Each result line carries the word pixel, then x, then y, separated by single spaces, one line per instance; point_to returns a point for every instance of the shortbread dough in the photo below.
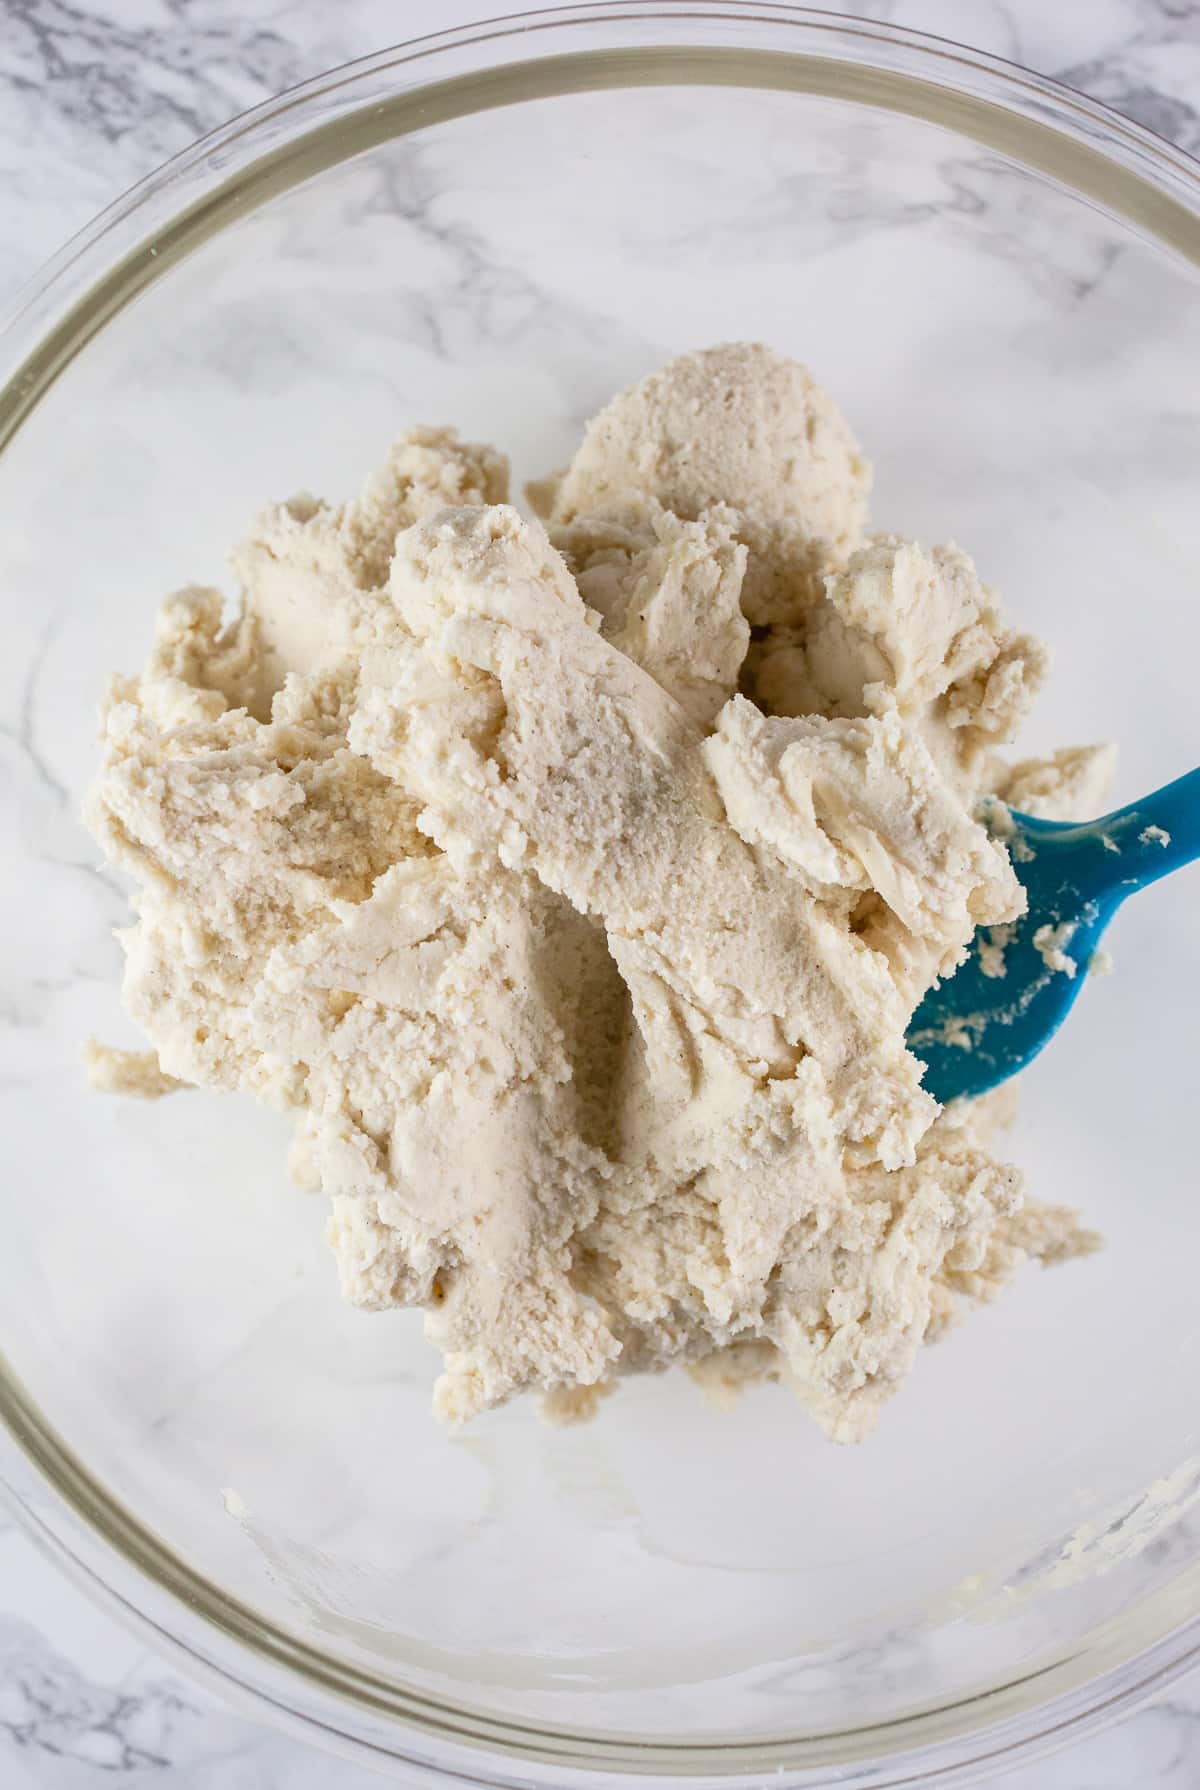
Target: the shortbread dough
pixel 577 928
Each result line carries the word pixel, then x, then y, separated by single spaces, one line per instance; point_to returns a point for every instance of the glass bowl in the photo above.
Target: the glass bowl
pixel 498 227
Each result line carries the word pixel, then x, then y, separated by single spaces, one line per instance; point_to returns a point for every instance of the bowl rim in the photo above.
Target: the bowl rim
pixel 1127 170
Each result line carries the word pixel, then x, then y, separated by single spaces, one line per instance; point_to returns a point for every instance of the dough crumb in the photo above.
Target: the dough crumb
pixel 991 948
pixel 1050 943
pixel 111 1070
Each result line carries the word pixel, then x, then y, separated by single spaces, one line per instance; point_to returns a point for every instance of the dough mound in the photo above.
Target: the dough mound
pixel 914 631
pixel 584 977
pixel 740 425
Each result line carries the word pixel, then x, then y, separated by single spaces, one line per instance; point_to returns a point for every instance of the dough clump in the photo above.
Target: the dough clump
pixel 578 932
pixel 740 425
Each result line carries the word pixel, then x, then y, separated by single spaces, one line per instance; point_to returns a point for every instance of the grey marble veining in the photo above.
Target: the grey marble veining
pixel 92 96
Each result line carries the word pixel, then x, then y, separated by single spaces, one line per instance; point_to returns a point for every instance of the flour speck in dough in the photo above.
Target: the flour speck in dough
pixel 571 884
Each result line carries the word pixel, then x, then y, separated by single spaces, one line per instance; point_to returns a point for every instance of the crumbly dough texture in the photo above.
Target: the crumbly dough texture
pixel 579 934
pixel 743 426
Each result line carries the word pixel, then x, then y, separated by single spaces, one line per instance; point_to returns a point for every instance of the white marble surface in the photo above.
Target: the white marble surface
pixel 92 95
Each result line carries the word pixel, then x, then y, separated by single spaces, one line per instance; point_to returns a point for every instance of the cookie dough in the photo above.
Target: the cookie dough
pixel 741 425
pixel 578 932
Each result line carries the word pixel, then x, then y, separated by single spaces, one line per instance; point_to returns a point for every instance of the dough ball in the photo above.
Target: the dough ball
pixel 742 425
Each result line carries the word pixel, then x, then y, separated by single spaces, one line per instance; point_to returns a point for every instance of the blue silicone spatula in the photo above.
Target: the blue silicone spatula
pixel 994 1014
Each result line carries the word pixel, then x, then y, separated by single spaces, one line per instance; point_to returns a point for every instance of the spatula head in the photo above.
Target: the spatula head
pixel 1019 982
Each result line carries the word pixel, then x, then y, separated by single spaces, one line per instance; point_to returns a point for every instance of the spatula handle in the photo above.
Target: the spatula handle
pixel 1156 834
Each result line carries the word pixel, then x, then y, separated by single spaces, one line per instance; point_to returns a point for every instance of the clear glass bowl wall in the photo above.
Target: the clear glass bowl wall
pixel 498 232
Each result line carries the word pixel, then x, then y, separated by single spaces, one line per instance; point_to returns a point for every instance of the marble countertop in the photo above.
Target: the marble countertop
pixel 93 94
